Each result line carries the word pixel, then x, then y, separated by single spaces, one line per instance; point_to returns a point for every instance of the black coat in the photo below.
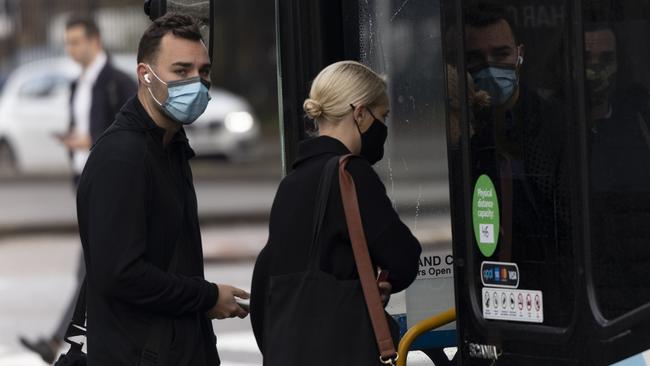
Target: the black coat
pixel 110 91
pixel 135 203
pixel 391 244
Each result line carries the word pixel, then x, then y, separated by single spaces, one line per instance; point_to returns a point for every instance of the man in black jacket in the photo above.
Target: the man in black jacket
pixel 138 217
pixel 95 98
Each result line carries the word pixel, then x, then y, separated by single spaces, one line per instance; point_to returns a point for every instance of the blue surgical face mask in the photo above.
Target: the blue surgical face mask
pixel 186 99
pixel 498 80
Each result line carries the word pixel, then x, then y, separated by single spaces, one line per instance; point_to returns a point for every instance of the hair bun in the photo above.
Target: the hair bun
pixel 313 108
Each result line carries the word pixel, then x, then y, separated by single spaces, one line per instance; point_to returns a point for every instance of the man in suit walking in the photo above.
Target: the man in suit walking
pixel 95 98
pixel 97 95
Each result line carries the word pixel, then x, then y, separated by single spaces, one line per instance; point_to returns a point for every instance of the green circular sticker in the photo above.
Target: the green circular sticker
pixel 485 215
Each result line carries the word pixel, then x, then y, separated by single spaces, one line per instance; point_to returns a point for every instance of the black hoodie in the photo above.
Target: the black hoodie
pixel 135 203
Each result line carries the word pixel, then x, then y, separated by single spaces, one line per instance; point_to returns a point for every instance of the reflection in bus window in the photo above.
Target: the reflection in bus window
pixel 402 40
pixel 616 89
pixel 517 142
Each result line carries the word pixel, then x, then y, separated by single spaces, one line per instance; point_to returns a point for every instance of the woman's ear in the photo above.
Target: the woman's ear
pixel 356 113
pixel 359 115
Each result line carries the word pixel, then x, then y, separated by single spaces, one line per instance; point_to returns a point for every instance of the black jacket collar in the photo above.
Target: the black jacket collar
pixel 134 117
pixel 321 145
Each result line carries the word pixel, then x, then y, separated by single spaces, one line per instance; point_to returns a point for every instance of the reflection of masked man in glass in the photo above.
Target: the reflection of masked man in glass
pixel 601 67
pixel 515 142
pixel 495 73
pixel 617 111
pixel 494 58
pixel 619 145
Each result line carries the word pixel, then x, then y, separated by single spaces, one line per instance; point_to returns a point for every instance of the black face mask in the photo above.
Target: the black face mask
pixel 372 141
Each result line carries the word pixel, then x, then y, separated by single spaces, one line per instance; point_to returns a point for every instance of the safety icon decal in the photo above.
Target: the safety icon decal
pixel 513 305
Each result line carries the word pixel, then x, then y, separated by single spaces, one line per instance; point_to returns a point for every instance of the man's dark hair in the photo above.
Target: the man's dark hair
pixel 180 25
pixel 88 23
pixel 484 14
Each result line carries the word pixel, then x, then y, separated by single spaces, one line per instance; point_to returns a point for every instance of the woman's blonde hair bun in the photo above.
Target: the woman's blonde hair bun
pixel 340 85
pixel 313 108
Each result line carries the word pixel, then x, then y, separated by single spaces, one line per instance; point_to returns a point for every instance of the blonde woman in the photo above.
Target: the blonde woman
pixel 349 104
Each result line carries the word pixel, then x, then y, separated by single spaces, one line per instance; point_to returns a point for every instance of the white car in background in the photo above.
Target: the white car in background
pixel 34 106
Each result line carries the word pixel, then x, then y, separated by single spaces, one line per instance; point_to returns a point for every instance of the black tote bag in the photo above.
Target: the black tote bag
pixel 314 319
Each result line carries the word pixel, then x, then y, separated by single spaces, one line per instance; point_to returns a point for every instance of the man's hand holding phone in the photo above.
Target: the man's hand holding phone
pixel 74 141
pixel 227 305
pixel 244 304
pixel 60 136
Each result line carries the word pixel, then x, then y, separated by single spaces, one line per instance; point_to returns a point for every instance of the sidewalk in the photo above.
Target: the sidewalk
pixel 37 279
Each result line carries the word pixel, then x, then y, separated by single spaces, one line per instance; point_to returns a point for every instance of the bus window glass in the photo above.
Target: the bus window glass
pixel 617 78
pixel 516 58
pixel 402 40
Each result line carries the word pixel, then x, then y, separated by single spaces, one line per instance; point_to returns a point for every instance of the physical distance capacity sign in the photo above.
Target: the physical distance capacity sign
pixel 485 215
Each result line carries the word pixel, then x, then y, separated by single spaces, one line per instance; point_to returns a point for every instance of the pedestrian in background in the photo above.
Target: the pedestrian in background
pixel 349 104
pixel 147 296
pixel 95 98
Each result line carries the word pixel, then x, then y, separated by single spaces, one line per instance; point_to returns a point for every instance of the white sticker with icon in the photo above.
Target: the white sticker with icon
pixel 487 233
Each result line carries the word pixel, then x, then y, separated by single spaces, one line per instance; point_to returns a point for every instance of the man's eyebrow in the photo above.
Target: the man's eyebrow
pixel 206 66
pixel 182 64
pixel 502 48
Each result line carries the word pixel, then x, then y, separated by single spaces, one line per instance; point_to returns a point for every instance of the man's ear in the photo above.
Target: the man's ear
pixel 144 75
pixel 96 43
pixel 521 50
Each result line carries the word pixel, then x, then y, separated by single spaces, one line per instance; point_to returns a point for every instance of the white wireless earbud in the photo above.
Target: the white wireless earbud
pixel 147 78
pixel 520 59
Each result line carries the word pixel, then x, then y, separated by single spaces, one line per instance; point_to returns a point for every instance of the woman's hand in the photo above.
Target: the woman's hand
pixel 385 289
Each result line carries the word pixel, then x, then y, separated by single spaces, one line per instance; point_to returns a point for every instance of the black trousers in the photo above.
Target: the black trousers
pixel 64 322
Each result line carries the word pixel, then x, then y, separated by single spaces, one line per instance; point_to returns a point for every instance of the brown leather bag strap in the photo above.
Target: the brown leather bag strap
pixel 366 270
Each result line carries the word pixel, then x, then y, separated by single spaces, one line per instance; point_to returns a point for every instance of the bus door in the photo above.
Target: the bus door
pixel 549 157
